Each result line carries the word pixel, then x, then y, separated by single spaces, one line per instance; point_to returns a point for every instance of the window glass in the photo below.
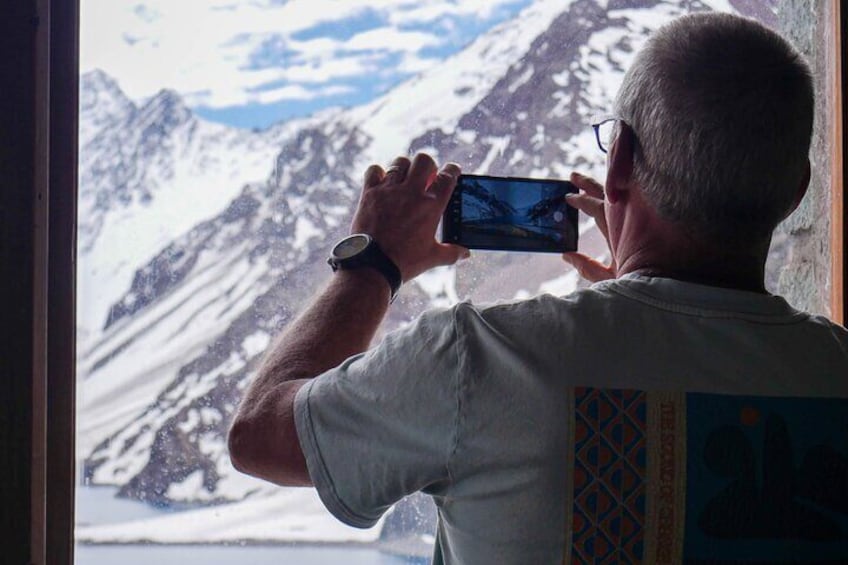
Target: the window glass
pixel 222 144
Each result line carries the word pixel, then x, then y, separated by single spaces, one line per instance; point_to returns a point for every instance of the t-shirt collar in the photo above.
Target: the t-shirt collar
pixel 700 299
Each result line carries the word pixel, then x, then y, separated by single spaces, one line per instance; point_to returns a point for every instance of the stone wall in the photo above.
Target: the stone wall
pixel 802 269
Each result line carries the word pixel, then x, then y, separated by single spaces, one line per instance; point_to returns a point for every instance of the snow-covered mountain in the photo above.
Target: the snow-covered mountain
pixel 149 172
pixel 199 242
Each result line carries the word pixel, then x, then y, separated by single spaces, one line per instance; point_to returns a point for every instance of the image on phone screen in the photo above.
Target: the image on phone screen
pixel 511 214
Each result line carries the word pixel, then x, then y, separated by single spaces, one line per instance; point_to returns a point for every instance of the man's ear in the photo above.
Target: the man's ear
pixel 620 165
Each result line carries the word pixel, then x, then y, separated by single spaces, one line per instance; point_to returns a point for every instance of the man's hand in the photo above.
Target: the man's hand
pixel 401 208
pixel 590 201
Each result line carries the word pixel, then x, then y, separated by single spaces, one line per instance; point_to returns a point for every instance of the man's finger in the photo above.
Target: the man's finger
pixel 588 268
pixel 445 182
pixel 587 204
pixel 588 185
pixel 373 176
pixel 593 207
pixel 399 168
pixel 422 170
pixel 448 253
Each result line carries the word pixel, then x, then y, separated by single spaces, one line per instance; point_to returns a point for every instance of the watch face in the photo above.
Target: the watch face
pixel 350 246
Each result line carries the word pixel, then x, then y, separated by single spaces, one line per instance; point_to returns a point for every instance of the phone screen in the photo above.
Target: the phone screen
pixel 511 214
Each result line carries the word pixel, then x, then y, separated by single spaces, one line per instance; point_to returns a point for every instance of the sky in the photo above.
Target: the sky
pixel 252 63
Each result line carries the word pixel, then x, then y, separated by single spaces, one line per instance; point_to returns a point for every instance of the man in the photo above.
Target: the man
pixel 477 406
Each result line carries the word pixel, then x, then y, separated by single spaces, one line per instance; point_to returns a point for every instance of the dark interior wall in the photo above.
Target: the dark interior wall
pixel 17 176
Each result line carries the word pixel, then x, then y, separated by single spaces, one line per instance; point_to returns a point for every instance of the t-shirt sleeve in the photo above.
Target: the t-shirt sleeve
pixel 383 424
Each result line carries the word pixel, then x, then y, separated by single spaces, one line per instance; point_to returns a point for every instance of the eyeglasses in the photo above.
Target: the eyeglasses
pixel 604 127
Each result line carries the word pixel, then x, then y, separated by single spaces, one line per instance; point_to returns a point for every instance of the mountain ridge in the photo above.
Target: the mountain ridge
pixel 187 329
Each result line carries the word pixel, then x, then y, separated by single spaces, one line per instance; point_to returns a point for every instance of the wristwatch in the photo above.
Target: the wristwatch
pixel 360 250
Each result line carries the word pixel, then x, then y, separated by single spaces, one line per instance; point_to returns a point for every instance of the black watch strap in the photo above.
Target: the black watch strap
pixel 377 259
pixel 374 257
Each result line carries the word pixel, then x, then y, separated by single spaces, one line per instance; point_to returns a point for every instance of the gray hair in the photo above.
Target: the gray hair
pixel 722 111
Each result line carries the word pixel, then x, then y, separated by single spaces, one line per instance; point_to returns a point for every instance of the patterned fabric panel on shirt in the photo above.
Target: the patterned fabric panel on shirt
pixel 609 476
pixel 664 478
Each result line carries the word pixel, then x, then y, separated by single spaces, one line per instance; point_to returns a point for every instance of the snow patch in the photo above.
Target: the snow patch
pixel 439 285
pixel 304 230
pixel 188 489
pixel 255 343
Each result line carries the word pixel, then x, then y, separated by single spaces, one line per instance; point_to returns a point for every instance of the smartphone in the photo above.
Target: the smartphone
pixel 511 214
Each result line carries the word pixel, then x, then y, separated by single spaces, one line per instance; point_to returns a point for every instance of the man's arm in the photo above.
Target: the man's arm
pixel 400 210
pixel 340 322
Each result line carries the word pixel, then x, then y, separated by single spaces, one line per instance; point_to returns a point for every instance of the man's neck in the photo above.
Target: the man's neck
pixel 645 243
pixel 700 264
pixel 730 280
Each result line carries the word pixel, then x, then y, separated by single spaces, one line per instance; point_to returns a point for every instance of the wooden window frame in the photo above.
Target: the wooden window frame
pixel 38 165
pixel 39 69
pixel 839 211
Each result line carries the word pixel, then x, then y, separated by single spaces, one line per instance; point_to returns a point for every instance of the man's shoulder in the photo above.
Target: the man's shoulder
pixel 536 311
pixel 830 329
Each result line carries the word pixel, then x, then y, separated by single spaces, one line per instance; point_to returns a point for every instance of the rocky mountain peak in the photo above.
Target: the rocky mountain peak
pixel 166 108
pixel 101 102
pixel 97 85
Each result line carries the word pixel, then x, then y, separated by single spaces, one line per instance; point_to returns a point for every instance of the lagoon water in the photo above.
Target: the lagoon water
pixel 99 505
pixel 230 555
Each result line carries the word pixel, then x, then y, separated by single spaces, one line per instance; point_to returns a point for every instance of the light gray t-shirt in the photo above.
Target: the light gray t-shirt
pixel 481 409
